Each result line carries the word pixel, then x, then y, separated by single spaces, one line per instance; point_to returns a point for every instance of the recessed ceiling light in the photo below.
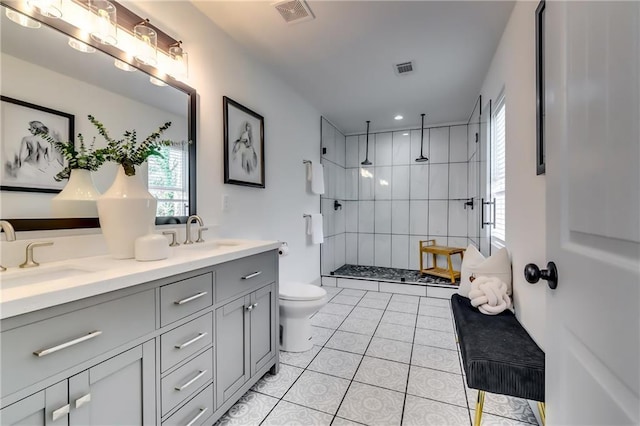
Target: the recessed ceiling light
pixel 398 117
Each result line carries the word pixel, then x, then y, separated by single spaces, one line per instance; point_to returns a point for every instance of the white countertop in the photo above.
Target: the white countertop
pixel 55 283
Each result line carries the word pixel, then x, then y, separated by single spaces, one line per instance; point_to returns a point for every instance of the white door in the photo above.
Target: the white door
pixel 593 212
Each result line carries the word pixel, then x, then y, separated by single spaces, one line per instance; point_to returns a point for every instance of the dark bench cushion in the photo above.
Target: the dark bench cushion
pixel 498 354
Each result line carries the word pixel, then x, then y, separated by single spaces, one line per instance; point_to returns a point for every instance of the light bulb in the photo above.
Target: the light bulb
pixel 21 19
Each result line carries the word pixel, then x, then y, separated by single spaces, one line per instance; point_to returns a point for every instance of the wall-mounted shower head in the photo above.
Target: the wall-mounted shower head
pixel 366 161
pixel 422 158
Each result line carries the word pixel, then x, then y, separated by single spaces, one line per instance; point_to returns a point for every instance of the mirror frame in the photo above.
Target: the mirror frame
pixel 93 222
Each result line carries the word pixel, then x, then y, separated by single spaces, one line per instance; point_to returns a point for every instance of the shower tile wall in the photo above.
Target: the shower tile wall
pixel 393 204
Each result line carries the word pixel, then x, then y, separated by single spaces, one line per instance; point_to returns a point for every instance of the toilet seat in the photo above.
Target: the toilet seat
pixel 300 291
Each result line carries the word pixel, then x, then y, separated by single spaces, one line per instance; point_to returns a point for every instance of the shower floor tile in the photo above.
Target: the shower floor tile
pixel 390 274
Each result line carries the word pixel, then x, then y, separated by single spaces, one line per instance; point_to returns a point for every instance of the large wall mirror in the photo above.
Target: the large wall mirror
pixel 43 76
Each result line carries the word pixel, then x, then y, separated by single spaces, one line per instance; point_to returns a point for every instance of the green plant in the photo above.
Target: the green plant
pixel 127 151
pixel 85 158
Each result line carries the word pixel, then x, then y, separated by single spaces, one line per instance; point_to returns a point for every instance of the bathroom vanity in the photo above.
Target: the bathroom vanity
pixel 175 342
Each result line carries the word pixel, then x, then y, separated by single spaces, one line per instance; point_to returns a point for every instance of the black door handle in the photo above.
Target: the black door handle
pixel 533 274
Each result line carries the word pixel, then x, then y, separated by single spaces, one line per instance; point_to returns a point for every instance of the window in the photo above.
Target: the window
pixel 498 172
pixel 168 181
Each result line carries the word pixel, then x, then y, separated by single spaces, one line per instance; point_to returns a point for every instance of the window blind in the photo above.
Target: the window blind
pixel 168 181
pixel 498 172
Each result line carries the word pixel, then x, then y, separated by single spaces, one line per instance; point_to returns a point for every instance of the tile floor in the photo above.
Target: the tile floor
pixel 378 359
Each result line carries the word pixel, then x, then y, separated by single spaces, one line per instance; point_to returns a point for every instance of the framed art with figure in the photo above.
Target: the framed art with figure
pixel 243 145
pixel 29 162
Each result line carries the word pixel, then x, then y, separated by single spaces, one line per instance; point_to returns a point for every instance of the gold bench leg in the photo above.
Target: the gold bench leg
pixel 479 406
pixel 543 414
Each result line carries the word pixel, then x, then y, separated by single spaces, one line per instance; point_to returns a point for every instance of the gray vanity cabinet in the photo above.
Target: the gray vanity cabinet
pixel 48 407
pixel 245 339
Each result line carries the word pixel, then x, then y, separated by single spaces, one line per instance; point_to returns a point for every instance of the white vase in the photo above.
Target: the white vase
pixel 126 211
pixel 78 198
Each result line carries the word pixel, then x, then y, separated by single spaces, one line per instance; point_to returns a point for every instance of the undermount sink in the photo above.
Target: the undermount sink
pixel 16 278
pixel 212 245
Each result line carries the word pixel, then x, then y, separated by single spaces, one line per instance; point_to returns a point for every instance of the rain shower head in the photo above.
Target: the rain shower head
pixel 422 158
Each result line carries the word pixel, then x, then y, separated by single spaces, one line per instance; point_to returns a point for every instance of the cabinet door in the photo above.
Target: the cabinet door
pixel 232 341
pixel 48 407
pixel 263 336
pixel 120 391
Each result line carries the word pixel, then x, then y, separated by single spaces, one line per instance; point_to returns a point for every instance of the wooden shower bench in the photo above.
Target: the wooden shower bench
pixel 498 355
pixel 430 247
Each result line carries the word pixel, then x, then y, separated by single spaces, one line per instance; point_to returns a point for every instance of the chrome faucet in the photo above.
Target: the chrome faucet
pixel 189 220
pixel 29 262
pixel 10 234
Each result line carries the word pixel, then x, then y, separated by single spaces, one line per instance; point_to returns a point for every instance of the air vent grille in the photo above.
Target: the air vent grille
pixel 404 68
pixel 294 11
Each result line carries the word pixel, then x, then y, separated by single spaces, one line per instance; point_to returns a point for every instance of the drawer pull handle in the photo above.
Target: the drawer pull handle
pixel 190 298
pixel 60 412
pixel 48 351
pixel 255 274
pixel 192 381
pixel 195 419
pixel 195 339
pixel 83 400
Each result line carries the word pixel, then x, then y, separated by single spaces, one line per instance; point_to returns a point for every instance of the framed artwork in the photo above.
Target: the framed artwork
pixel 243 145
pixel 540 150
pixel 29 162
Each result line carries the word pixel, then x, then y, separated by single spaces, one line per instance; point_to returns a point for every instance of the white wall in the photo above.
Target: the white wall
pixel 513 68
pixel 219 67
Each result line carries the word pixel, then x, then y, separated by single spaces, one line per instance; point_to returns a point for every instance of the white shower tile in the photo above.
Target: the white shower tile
pixel 328 259
pixel 351 143
pixel 400 217
pixel 382 221
pixel 367 183
pixel 383 148
pixel 351 216
pixel 414 251
pixel 472 179
pixel 339 219
pixel 351 243
pixel 441 292
pixel 340 148
pixel 456 242
pixel 458 180
pixel 365 216
pixel 328 141
pixel 457 219
pixel 439 181
pixel 400 251
pixel 382 250
pixel 418 217
pixel 351 184
pixel 400 183
pixel 414 290
pixel 473 220
pixel 328 222
pixel 382 183
pixel 419 181
pixel 339 249
pixel 365 249
pixel 472 144
pixel 439 145
pixel 415 144
pixel 340 184
pixel 329 281
pixel 328 179
pixel 358 284
pixel 401 147
pixel 362 151
pixel 438 217
pixel 458 144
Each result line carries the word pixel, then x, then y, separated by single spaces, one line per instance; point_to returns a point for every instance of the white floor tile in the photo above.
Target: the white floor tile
pixel 299 359
pixel 438 339
pixel 372 405
pixel 359 325
pixel 349 342
pixel 287 413
pixel 383 373
pixel 318 391
pixel 425 412
pixel 437 385
pixel 250 409
pixel 278 385
pixel 389 349
pixel 503 405
pixel 336 363
pixel 402 333
pixel 436 358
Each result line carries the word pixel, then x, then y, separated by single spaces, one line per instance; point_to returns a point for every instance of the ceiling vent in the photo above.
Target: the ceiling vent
pixel 294 11
pixel 403 68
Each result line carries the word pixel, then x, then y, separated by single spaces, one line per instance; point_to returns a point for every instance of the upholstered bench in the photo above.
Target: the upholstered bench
pixel 498 355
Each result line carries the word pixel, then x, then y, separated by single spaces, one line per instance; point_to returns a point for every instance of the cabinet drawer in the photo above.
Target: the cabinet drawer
pixel 186 340
pixel 246 274
pixel 185 297
pixel 194 412
pixel 70 339
pixel 182 383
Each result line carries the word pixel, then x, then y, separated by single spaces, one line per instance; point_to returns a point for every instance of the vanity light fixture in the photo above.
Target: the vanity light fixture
pixel 147 46
pixel 123 66
pixel 21 19
pixel 366 161
pixel 80 46
pixel 157 82
pixel 48 8
pixel 398 117
pixel 104 25
pixel 179 61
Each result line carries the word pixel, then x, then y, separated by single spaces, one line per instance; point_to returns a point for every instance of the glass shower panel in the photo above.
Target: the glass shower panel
pixel 486 205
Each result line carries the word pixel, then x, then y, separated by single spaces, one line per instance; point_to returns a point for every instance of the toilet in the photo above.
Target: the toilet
pixel 298 302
